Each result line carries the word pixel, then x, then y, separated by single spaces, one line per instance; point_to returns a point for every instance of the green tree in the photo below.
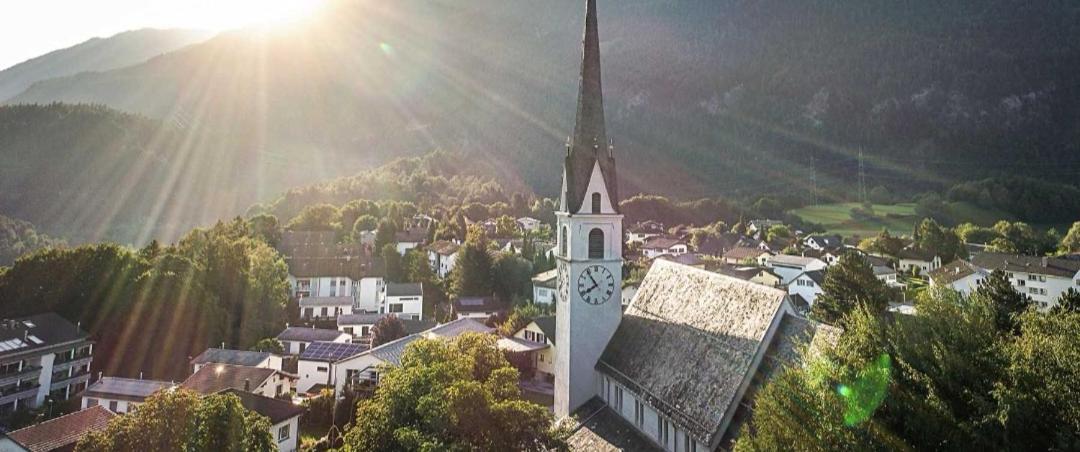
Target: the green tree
pixel 1068 302
pixel 848 284
pixel 393 266
pixel 384 234
pixel 971 233
pixel 997 291
pixel 883 243
pixel 512 276
pixel 1020 238
pixel 266 228
pixel 519 318
pixel 460 394
pixel 506 226
pixel 364 223
pixel 320 217
pixel 778 231
pixel 269 345
pixel 388 328
pixel 183 420
pixel 473 269
pixel 1071 242
pixel 356 209
pixel 942 242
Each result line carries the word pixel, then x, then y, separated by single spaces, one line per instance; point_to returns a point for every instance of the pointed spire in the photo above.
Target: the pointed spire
pixel 589 142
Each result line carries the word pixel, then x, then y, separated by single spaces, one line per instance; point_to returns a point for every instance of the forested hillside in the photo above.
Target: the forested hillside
pixel 97 54
pixel 18 238
pixel 703 97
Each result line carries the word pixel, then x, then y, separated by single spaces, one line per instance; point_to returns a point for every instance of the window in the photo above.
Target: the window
pixel 618 398
pixel 596 203
pixel 562 240
pixel 320 369
pixel 280 389
pixel 363 331
pixel 91 402
pixel 113 405
pixel 596 244
pixel 283 433
pixel 662 430
pixel 639 414
pixel 397 307
pixel 348 330
pixel 302 347
pixel 1031 277
pixel 324 311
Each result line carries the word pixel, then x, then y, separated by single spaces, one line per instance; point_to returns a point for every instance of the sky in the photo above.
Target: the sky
pixel 29 28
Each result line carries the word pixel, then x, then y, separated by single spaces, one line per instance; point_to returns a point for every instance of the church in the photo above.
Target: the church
pixel 677 368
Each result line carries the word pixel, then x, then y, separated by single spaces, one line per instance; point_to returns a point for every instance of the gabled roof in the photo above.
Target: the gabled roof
pixel 444 247
pixel 301 334
pixel 743 252
pixel 404 289
pixel 546 279
pixel 795 261
pixel 1065 268
pixel 662 242
pixel 360 319
pixel 317 267
pixel 216 377
pixel 952 272
pixel 226 356
pixel 330 351
pixel 477 304
pixel 277 411
pixel 688 341
pixel 915 254
pixel 826 241
pixel 411 235
pixel 125 388
pixel 817 276
pixel 589 144
pixel 391 352
pixel 547 326
pixel 600 429
pixel 455 328
pixel 39 331
pixel 64 431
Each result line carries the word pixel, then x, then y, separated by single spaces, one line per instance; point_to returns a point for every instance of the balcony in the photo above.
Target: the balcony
pixel 18 392
pixel 67 358
pixel 64 380
pixel 26 372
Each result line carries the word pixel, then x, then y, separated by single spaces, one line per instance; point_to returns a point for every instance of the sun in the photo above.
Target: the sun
pixel 224 14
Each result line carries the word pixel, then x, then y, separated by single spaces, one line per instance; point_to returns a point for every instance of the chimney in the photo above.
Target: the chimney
pixel 223 345
pixel 247 385
pixel 99 375
pixel 140 375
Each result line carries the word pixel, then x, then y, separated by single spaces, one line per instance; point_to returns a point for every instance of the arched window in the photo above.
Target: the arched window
pixel 596 244
pixel 596 203
pixel 562 242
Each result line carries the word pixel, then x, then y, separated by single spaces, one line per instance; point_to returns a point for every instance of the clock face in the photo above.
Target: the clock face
pixel 596 285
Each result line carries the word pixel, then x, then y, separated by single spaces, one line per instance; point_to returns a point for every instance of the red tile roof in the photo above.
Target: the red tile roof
pixel 63 431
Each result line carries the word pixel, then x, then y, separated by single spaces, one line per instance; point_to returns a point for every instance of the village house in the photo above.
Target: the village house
pixel 59 434
pixel 790 267
pixel 958 275
pixel 237 358
pixel 327 278
pixel 658 245
pixel 326 308
pixel 359 326
pixel 528 224
pixel 284 417
pixel 477 307
pixel 213 378
pixel 758 228
pixel 544 290
pixel 757 275
pixel 442 255
pixel 805 288
pixel 1044 279
pixel 295 339
pixel 823 242
pixel 406 300
pixel 643 231
pixel 410 238
pixel 121 395
pixel 917 261
pixel 716 246
pixel 41 356
pixel 537 341
pixel 742 255
pixel 316 366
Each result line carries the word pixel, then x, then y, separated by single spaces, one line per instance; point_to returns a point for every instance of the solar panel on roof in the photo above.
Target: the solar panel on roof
pixel 36 340
pixel 330 351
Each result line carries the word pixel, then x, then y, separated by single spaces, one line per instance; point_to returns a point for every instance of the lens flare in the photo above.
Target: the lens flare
pixel 863 396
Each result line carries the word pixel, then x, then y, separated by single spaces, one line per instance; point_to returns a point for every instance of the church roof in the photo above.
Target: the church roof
pixel 598 428
pixel 589 143
pixel 688 341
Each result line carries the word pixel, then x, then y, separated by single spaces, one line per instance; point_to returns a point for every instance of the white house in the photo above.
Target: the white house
pixel 528 224
pixel 409 239
pixel 284 417
pixel 918 261
pixel 213 378
pixel 790 267
pixel 121 395
pixel 541 334
pixel 656 246
pixel 329 308
pixel 544 291
pixel 1044 279
pixel 369 295
pixel 405 300
pixel 958 275
pixel 295 339
pixel 41 356
pixel 643 231
pixel 442 255
pixel 805 288
pixel 236 357
pixel 477 307
pixel 743 254
pixel 822 242
pixel 756 227
pixel 315 367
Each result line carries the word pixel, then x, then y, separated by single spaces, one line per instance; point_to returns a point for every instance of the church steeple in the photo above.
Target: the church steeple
pixel 589 145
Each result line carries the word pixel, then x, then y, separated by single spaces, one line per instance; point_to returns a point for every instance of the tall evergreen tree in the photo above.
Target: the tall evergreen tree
pixel 1068 302
pixel 473 270
pixel 850 283
pixel 1008 304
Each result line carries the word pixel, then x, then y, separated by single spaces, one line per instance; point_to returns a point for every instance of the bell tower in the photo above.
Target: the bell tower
pixel 589 230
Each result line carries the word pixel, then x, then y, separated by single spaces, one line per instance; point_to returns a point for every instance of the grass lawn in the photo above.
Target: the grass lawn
pixel 899 219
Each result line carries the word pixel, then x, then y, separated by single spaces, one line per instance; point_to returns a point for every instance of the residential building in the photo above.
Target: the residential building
pixel 321 268
pixel 758 228
pixel 41 356
pixel 121 395
pixel 213 378
pixel 237 358
pixel 360 326
pixel 958 275
pixel 326 308
pixel 315 367
pixel 528 224
pixel 742 255
pixel 544 290
pixel 805 288
pixel 643 231
pixel 406 300
pixel 537 341
pixel 1043 279
pixel 59 434
pixel 823 242
pixel 477 307
pixel 658 245
pixel 790 267
pixel 284 417
pixel 918 261
pixel 757 275
pixel 295 339
pixel 410 238
pixel 442 255
pixel 716 246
